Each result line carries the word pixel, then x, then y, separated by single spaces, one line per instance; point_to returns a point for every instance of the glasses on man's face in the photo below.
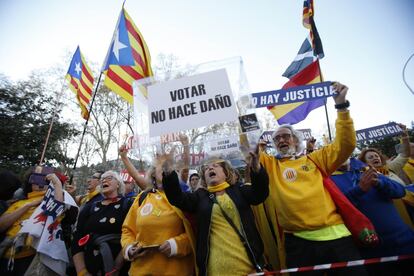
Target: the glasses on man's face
pixel 107 178
pixel 285 136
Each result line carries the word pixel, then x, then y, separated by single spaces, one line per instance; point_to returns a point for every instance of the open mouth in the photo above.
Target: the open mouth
pixel 105 186
pixel 283 146
pixel 211 174
pixel 376 162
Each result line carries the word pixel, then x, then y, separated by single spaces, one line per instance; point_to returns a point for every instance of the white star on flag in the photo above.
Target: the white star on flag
pixel 118 45
pixel 78 68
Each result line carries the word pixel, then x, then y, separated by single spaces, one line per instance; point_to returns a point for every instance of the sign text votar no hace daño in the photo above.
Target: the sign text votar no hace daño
pixel 190 102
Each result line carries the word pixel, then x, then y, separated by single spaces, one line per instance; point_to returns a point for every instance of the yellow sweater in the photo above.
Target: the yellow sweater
pixel 409 169
pixel 228 256
pixel 15 228
pixel 153 223
pixel 296 187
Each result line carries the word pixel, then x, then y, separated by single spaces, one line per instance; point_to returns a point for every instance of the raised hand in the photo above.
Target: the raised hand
pixel 368 179
pixel 342 90
pixel 123 151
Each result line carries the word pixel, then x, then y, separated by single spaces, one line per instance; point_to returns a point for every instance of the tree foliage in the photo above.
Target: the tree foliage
pixel 26 110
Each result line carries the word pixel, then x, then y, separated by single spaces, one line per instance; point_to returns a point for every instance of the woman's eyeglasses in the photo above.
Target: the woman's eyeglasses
pixel 107 178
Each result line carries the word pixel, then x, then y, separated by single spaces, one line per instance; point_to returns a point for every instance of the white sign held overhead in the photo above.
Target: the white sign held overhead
pixel 190 102
pixel 223 145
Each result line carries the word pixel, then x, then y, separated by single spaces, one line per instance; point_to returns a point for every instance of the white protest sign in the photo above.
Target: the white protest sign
pixel 223 145
pixel 190 102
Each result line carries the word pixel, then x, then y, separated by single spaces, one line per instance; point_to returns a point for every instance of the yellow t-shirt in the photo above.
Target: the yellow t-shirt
pixel 409 169
pixel 152 223
pixel 11 233
pixel 296 185
pixel 227 255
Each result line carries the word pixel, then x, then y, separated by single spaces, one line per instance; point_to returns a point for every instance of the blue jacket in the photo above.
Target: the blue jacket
pixel 396 237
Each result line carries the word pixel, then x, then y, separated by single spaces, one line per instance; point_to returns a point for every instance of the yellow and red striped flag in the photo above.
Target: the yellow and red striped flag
pixel 309 23
pixel 128 58
pixel 80 80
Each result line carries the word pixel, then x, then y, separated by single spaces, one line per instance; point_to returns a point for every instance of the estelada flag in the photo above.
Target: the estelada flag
pixel 80 80
pixel 128 58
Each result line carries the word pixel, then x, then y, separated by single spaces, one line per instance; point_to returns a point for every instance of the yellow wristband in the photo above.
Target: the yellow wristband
pixel 82 272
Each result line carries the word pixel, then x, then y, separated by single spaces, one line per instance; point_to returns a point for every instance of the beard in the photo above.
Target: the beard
pixel 287 152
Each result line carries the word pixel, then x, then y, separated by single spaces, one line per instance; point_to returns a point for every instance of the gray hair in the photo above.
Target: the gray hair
pixel 121 184
pixel 297 137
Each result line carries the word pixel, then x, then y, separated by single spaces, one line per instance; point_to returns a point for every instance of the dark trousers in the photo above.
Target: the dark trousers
pixel 301 252
pixel 20 266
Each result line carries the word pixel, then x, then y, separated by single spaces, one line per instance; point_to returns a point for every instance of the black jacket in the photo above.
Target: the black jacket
pixel 201 203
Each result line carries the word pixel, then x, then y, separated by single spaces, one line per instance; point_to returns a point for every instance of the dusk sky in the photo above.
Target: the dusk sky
pixel 366 43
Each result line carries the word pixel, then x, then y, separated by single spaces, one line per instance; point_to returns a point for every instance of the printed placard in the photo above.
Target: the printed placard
pixel 223 145
pixel 378 132
pixel 295 94
pixel 249 122
pixel 306 133
pixel 190 102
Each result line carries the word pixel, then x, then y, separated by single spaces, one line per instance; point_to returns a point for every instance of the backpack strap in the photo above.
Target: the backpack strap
pixel 143 195
pixel 105 250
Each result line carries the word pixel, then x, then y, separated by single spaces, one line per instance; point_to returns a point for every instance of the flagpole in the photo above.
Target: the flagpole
pixel 84 128
pixel 326 109
pixel 50 128
pixel 93 99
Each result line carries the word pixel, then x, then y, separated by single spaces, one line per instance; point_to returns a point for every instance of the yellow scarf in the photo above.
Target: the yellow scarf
pixel 383 169
pixel 218 188
pixel 89 196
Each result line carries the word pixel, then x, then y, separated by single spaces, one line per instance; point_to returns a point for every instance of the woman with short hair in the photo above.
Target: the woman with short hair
pixel 228 242
pixel 96 246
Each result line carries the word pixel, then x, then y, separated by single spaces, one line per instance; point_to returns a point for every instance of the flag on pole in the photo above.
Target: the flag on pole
pixel 296 112
pixel 128 58
pixel 80 80
pixel 304 57
pixel 307 13
pixel 309 23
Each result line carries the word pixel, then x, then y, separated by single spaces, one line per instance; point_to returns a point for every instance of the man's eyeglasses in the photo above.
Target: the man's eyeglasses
pixel 95 177
pixel 279 137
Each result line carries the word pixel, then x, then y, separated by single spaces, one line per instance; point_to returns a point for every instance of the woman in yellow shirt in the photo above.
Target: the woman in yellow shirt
pixel 35 187
pixel 156 236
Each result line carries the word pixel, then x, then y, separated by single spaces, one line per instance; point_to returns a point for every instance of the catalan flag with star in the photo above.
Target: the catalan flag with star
pixel 81 80
pixel 128 58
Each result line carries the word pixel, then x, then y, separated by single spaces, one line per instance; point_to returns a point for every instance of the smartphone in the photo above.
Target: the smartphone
pixel 145 247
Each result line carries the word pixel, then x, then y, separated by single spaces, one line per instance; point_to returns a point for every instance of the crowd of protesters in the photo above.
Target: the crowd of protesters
pixel 295 208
